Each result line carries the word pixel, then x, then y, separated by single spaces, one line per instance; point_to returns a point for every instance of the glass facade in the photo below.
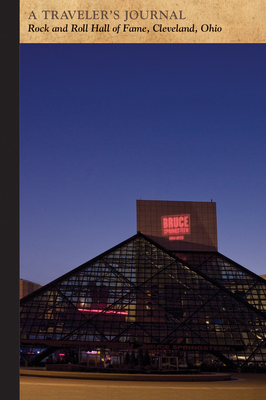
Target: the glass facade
pixel 137 295
pixel 179 225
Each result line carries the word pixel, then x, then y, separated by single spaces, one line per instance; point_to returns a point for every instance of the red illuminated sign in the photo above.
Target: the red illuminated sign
pixel 175 226
pixel 103 311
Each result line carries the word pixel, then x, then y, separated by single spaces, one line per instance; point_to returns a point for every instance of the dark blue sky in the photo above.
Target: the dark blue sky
pixel 104 125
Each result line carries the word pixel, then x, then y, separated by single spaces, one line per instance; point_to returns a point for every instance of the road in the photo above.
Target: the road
pixel 247 387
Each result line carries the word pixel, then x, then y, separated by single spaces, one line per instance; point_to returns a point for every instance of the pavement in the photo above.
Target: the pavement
pixel 202 377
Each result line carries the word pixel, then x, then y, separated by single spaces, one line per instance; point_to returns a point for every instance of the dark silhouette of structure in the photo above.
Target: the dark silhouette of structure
pixel 137 295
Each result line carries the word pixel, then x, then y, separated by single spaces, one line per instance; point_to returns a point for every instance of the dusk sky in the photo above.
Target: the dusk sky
pixel 104 125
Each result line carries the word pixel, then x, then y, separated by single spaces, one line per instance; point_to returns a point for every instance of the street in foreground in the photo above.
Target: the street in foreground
pixel 245 387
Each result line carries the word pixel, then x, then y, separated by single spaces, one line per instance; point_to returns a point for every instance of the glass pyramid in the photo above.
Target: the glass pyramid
pixel 138 295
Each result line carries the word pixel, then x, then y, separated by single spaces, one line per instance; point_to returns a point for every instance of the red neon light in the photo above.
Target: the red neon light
pixel 103 311
pixel 176 237
pixel 62 354
pixel 175 224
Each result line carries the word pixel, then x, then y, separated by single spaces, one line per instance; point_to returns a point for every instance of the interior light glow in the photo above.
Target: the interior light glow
pixel 102 311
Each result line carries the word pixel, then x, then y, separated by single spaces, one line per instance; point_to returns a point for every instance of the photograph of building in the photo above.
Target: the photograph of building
pixel 165 292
